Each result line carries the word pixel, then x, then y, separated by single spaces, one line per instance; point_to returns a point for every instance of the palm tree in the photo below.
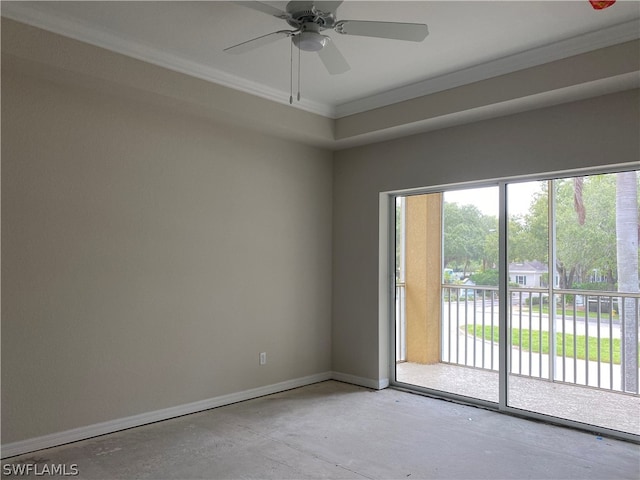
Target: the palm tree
pixel 627 258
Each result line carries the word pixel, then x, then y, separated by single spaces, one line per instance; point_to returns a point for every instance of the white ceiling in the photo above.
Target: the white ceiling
pixel 468 41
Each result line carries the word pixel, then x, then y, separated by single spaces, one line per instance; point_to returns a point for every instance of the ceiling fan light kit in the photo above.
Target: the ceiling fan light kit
pixel 310 41
pixel 310 18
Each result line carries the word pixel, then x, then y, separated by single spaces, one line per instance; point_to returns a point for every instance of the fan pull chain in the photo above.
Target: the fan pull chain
pixel 291 74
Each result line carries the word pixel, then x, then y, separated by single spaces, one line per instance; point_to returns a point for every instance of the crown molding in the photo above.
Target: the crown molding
pixel 606 37
pixel 104 38
pixel 107 39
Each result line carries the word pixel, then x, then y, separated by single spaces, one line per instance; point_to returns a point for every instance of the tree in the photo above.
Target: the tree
pixel 585 228
pixel 487 278
pixel 528 234
pixel 627 253
pixel 584 237
pixel 465 236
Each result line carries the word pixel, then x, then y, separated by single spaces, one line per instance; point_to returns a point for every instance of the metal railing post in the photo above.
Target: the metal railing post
pixel 552 278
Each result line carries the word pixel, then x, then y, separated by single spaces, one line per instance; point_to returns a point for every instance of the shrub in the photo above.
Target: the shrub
pixel 488 278
pixel 535 300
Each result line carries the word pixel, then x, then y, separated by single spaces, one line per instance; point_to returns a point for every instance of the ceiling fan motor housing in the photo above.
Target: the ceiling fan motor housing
pixel 301 13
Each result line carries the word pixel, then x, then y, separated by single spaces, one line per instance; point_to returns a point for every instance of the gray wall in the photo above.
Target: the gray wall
pixel 149 256
pixel 600 131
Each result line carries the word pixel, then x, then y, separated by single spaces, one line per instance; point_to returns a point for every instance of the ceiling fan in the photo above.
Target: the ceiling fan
pixel 310 18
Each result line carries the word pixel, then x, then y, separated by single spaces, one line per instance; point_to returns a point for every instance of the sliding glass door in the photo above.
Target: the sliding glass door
pixel 447 292
pixel 573 290
pixel 527 300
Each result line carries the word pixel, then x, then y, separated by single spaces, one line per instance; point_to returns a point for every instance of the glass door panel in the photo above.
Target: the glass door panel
pixel 447 292
pixel 573 291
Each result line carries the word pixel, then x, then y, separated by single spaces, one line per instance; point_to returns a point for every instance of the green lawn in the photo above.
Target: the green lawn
pixel 532 342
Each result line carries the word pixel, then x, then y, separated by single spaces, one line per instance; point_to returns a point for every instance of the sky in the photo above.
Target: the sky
pixel 519 197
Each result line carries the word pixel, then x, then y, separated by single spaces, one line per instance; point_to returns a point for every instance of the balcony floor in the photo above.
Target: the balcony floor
pixel 593 406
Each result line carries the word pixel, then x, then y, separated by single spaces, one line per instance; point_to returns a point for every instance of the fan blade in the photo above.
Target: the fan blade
pixel 413 32
pixel 327 7
pixel 264 8
pixel 258 42
pixel 333 60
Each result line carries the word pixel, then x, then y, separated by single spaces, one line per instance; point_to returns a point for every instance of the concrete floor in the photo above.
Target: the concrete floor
pixel 340 431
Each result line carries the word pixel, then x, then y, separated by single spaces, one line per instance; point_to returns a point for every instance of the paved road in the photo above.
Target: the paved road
pixel 523 318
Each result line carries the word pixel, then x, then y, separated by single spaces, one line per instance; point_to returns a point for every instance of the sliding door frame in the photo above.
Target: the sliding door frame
pixel 388 263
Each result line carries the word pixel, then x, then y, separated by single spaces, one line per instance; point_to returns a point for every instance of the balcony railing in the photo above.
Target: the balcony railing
pixel 577 338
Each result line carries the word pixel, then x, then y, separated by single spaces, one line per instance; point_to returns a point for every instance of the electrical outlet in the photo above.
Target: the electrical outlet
pixel 263 358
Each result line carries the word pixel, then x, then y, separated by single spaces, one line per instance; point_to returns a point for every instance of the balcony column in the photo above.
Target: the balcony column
pixel 423 273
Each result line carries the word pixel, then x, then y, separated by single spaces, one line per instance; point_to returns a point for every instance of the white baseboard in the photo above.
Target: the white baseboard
pixel 89 431
pixel 361 381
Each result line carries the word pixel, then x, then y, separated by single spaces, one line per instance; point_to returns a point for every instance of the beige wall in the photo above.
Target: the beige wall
pixel 149 256
pixel 599 131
